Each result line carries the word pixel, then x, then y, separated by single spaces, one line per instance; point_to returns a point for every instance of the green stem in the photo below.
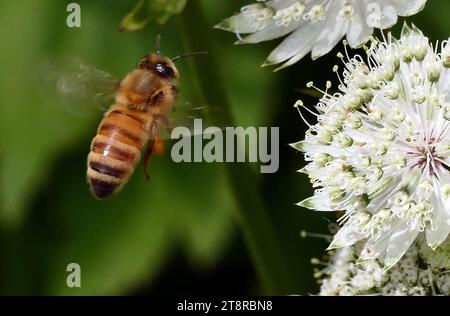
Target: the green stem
pixel 260 237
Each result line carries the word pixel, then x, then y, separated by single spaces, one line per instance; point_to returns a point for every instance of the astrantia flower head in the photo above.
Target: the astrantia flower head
pixel 380 150
pixel 315 25
pixel 343 277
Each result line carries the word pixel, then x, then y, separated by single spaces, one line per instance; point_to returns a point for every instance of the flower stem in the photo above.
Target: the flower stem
pixel 259 234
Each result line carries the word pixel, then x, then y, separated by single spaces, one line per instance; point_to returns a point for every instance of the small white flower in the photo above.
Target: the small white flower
pixel 315 26
pixel 343 276
pixel 381 148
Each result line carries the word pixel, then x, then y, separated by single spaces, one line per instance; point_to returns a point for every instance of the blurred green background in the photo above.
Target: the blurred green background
pixel 186 231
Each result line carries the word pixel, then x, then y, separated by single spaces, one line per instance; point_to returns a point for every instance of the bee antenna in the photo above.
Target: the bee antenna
pixel 158 44
pixel 189 55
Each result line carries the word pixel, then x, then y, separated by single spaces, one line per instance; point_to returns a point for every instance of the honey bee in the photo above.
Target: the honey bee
pixel 143 100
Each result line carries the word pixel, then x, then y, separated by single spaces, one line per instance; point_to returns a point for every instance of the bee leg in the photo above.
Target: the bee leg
pixel 147 157
pixel 156 146
pixel 135 98
pixel 153 99
pixel 165 122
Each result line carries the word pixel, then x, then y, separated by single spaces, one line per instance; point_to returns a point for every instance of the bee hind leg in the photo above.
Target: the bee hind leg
pixel 156 146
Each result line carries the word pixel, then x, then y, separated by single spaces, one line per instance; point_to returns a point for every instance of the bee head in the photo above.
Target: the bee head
pixel 163 66
pixel 160 65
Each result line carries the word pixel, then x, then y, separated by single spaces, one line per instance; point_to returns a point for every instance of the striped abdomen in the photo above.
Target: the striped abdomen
pixel 116 149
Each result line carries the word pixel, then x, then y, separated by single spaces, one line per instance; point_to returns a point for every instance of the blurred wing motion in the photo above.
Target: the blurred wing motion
pixel 82 89
pixel 186 114
pixel 79 88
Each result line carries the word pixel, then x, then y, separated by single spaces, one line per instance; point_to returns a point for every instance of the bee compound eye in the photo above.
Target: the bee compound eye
pixel 165 70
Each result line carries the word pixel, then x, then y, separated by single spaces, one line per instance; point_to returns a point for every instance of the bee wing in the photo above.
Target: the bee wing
pixel 77 87
pixel 187 115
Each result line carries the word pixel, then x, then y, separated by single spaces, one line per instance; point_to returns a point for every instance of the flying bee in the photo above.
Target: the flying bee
pixel 143 100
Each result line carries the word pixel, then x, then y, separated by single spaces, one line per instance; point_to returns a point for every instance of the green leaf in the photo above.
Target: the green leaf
pixel 151 10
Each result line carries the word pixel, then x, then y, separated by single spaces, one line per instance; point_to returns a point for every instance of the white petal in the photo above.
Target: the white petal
pixel 239 23
pixel 305 146
pixel 346 236
pixel 389 17
pixel 359 32
pixel 280 4
pixel 407 7
pixel 441 214
pixel 332 32
pixel 389 10
pixel 299 42
pixel 295 58
pixel 317 202
pixel 400 241
pixel 373 249
pixel 271 32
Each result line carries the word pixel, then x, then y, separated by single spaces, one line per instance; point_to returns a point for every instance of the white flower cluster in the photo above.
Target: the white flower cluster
pixel 344 277
pixel 315 25
pixel 380 150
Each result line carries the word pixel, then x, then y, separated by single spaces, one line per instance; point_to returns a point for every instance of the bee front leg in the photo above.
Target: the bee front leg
pixel 161 118
pixel 154 99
